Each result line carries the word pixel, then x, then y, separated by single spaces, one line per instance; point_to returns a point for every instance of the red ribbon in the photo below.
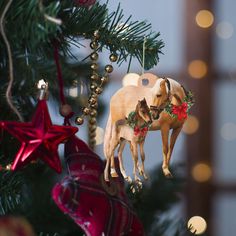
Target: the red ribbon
pixel 180 111
pixel 140 131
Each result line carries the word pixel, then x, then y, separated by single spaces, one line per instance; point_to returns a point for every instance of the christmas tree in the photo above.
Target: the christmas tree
pixel 38 41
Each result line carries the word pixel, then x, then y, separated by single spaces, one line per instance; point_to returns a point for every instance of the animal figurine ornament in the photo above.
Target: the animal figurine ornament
pixel 165 93
pixel 134 130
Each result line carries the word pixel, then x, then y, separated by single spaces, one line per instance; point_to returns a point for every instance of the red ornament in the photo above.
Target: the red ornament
pixel 85 3
pixel 180 111
pixel 39 138
pixel 98 207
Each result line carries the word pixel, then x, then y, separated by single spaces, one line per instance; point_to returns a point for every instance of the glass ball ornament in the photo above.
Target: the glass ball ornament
pixel 79 120
pixel 113 57
pixel 108 68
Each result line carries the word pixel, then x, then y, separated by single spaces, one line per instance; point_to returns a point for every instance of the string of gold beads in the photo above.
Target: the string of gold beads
pixel 96 88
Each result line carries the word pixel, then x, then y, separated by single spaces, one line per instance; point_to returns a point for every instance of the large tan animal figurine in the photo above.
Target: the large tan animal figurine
pixel 133 130
pixel 162 97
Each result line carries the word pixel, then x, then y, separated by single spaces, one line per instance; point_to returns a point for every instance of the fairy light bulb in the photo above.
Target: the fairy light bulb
pixel 191 125
pixel 204 18
pixel 201 172
pixel 197 69
pixel 197 225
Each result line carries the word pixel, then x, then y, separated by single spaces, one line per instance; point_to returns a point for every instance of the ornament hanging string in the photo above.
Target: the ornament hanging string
pixel 144 48
pixel 61 83
pixel 9 53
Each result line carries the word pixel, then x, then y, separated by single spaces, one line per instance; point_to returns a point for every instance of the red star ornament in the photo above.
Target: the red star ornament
pixel 39 138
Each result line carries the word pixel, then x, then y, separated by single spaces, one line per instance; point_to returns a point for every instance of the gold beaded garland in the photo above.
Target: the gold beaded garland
pixel 98 90
pixel 94 76
pixel 94 56
pixel 94 45
pixel 94 66
pixel 79 120
pixel 95 88
pixel 108 68
pixel 86 110
pixel 113 57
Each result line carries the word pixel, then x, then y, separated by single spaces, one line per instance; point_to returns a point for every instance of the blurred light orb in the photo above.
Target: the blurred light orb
pixel 204 18
pixel 191 125
pixel 73 92
pixel 197 225
pixel 197 69
pixel 130 79
pixel 201 172
pixel 99 135
pixel 228 131
pixel 224 30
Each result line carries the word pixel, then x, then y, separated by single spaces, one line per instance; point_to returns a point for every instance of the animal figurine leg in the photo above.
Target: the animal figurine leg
pixel 109 153
pixel 121 165
pixel 165 136
pixel 173 137
pixel 141 169
pixel 134 151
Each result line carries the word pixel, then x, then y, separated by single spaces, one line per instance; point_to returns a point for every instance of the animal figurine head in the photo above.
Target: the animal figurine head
pixel 143 111
pixel 162 97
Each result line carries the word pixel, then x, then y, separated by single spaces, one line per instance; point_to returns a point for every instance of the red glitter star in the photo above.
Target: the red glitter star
pixel 39 138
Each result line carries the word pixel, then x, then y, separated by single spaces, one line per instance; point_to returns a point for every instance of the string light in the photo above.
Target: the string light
pixel 201 172
pixel 204 18
pixel 224 30
pixel 197 225
pixel 191 125
pixel 228 131
pixel 197 69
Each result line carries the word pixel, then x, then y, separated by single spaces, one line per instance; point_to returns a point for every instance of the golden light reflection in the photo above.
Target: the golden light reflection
pixel 204 18
pixel 99 135
pixel 197 69
pixel 191 125
pixel 201 172
pixel 197 225
pixel 130 79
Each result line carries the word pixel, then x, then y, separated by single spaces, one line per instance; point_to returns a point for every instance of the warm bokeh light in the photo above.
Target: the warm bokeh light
pixel 73 92
pixel 204 18
pixel 191 125
pixel 197 225
pixel 197 69
pixel 224 30
pixel 130 79
pixel 201 172
pixel 228 131
pixel 99 135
